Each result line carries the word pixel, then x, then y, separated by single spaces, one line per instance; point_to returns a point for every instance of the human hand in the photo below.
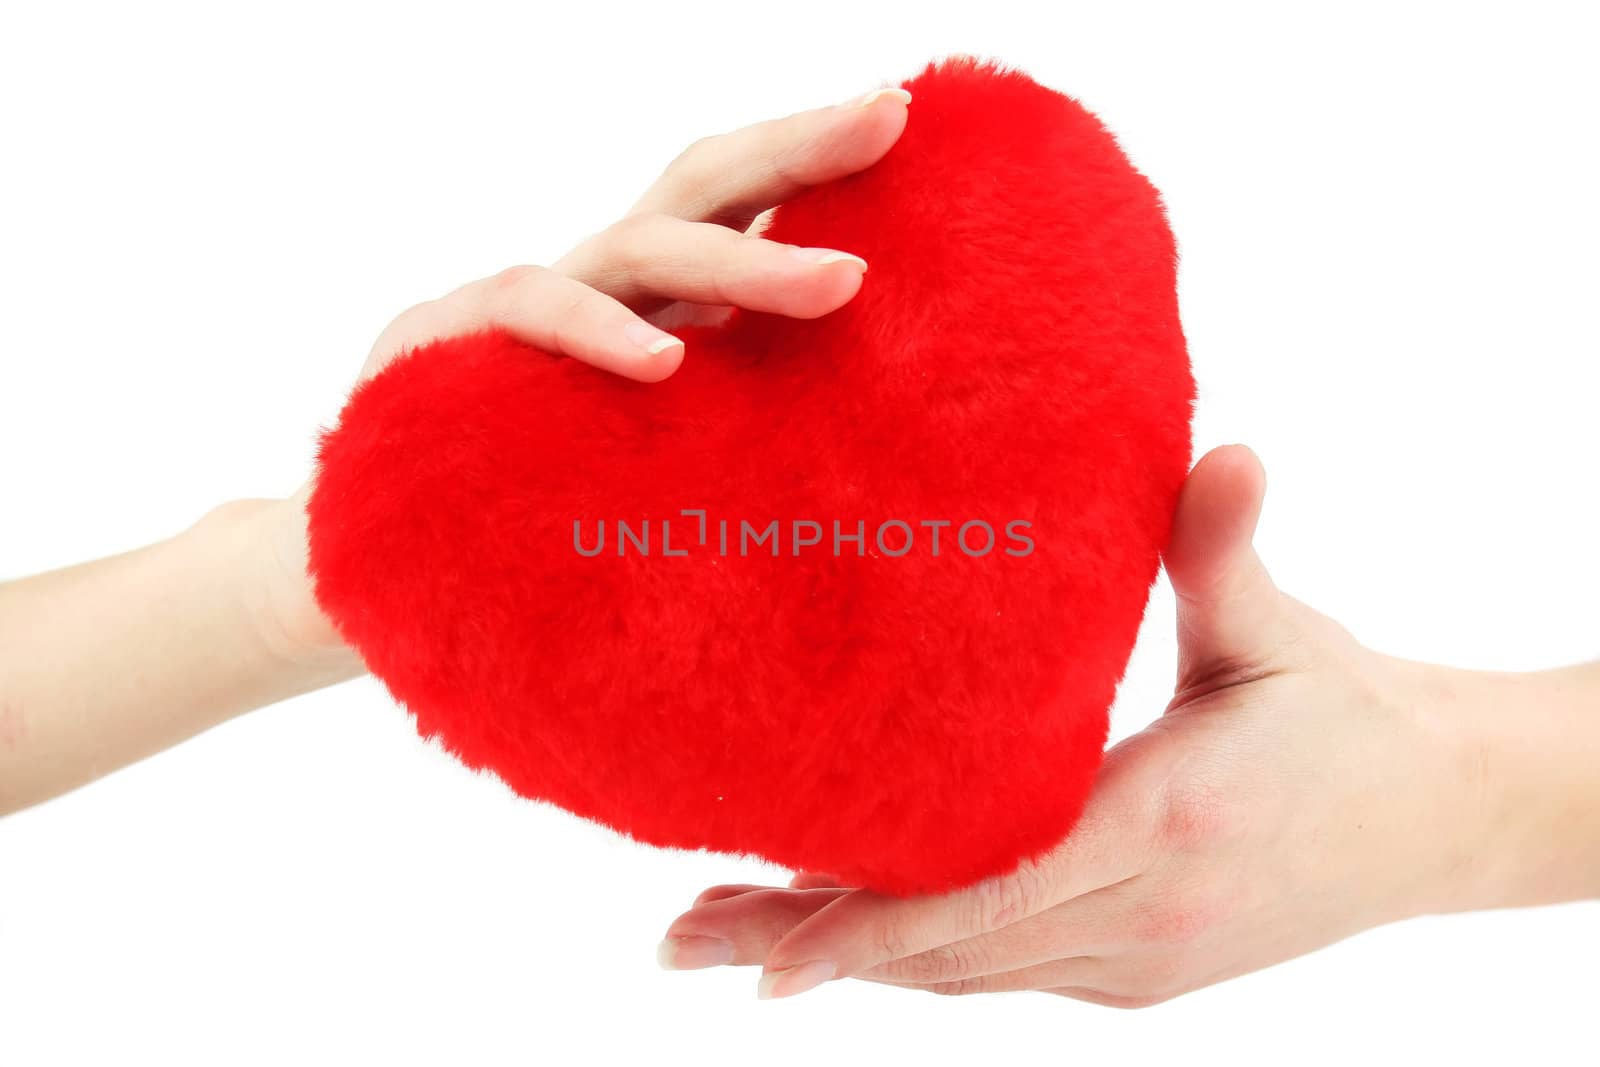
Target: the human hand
pixel 1299 788
pixel 690 245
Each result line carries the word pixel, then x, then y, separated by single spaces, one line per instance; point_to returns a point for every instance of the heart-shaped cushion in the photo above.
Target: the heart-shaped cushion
pixel 912 700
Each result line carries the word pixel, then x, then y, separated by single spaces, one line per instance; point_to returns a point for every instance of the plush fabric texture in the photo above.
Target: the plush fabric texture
pixel 909 721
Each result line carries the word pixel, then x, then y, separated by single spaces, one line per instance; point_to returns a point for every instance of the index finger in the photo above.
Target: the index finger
pixel 731 178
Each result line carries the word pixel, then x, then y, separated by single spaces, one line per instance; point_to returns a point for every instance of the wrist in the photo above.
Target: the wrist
pixel 1523 759
pixel 270 545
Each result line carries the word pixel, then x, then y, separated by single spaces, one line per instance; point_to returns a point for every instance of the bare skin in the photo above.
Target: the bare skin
pixel 105 663
pixel 1299 788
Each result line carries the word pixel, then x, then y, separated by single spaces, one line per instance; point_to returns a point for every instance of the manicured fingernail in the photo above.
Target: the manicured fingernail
pixel 692 952
pixel 796 979
pixel 821 256
pixel 875 95
pixel 649 338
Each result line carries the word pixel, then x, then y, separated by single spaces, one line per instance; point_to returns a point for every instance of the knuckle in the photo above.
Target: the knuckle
pixel 1194 815
pixel 694 155
pixel 889 940
pixel 419 310
pixel 625 243
pixel 947 963
pixel 694 170
pixel 417 321
pixel 517 279
pixel 1175 922
pixel 642 224
pixel 416 316
pixel 996 902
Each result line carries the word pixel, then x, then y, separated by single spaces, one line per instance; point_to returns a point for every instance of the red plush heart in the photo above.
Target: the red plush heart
pixel 972 469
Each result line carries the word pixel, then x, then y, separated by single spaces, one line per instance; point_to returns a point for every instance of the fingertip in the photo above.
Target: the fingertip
pixel 1226 480
pixel 656 366
pixel 809 284
pixel 693 952
pixel 886 121
pixel 894 94
pixel 837 284
pixel 1218 509
pixel 651 354
pixel 794 980
pixel 869 127
pixel 1242 462
pixel 826 257
pixel 833 931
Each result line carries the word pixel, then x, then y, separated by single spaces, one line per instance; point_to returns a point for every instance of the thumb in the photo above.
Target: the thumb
pixel 1230 616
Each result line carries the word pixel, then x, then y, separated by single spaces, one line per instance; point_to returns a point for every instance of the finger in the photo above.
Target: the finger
pixel 814 880
pixel 862 929
pixel 649 260
pixel 1092 924
pixel 732 177
pixel 739 929
pixel 560 315
pixel 1229 611
pixel 1077 971
pixel 722 892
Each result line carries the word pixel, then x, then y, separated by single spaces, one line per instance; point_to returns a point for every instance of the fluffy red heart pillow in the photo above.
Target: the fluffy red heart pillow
pixel 851 594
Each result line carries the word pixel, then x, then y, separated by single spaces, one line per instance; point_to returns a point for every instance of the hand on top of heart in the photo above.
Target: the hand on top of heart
pixel 1299 788
pixel 689 245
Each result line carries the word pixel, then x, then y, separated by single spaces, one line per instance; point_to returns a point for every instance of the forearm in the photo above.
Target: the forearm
pixel 107 662
pixel 1529 788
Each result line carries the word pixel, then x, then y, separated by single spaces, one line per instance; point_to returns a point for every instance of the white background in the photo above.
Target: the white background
pixel 1388 223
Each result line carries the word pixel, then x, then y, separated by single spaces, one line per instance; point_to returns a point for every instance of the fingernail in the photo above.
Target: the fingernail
pixel 692 952
pixel 797 979
pixel 648 337
pixel 875 95
pixel 820 256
